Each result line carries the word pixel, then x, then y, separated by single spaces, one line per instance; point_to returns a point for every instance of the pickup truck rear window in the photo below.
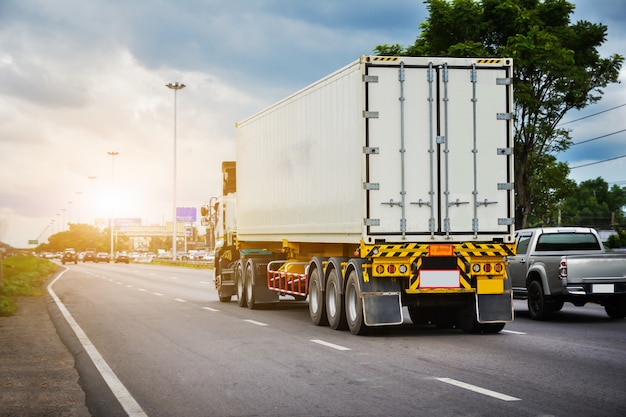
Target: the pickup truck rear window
pixel 567 241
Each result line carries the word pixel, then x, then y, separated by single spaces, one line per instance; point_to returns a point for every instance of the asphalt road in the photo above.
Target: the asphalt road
pixel 178 351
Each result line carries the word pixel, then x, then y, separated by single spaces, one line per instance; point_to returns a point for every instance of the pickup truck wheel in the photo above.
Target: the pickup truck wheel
pixel 334 302
pixel 538 308
pixel 615 310
pixel 317 307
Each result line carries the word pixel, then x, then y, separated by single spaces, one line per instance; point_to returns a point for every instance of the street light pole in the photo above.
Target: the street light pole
pixel 78 193
pixel 113 154
pixel 174 87
pixel 93 209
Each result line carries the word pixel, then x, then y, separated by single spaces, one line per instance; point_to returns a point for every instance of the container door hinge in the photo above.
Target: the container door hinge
pixel 506 221
pixel 371 222
pixel 370 78
pixel 504 116
pixel 505 151
pixel 504 81
pixel 505 186
pixel 370 114
pixel 369 186
pixel 371 150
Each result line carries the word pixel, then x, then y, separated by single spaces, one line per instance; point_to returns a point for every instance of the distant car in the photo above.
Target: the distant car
pixel 89 257
pixel 122 257
pixel 210 256
pixel 69 256
pixel 103 257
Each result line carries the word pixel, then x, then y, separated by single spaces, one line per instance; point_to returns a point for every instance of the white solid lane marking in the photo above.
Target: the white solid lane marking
pixel 258 323
pixel 157 293
pixel 479 390
pixel 128 403
pixel 511 332
pixel 180 300
pixel 210 309
pixel 330 345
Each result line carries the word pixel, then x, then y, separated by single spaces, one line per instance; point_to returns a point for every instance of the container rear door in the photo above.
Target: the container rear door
pixel 439 159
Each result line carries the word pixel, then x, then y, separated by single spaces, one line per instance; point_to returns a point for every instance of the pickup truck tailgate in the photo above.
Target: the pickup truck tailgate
pixel 609 267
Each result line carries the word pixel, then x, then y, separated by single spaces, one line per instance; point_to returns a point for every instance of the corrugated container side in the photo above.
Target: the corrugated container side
pixel 438 164
pixel 299 165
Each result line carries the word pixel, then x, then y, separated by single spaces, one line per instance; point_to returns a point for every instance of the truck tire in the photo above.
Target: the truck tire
pixel 491 328
pixel 538 307
pixel 335 310
pixel 466 320
pixel 224 296
pixel 250 279
pixel 354 305
pixel 317 306
pixel 240 284
pixel 615 310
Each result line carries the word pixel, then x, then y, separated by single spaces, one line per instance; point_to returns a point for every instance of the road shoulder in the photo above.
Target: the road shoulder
pixel 37 371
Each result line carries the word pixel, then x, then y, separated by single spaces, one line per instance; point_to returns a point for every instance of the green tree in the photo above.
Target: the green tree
pixel 593 204
pixel 557 68
pixel 78 236
pixel 551 186
pixel 617 240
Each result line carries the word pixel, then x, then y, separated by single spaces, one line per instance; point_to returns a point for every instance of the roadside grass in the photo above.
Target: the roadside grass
pixel 22 276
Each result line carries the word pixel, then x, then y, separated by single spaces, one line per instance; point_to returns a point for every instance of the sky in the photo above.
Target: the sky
pixel 80 79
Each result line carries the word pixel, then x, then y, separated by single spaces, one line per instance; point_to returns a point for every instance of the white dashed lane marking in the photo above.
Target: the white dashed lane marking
pixel 330 345
pixel 511 332
pixel 258 323
pixel 477 389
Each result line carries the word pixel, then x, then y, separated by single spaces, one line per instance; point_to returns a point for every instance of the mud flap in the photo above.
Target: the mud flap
pixel 382 309
pixel 263 295
pixel 495 307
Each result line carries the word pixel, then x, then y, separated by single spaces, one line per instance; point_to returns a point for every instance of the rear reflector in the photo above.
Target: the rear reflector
pixel 440 250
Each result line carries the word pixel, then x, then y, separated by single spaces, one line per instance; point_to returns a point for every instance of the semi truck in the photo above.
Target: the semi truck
pixel 384 188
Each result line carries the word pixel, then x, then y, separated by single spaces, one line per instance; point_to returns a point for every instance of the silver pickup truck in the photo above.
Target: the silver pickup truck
pixel 557 265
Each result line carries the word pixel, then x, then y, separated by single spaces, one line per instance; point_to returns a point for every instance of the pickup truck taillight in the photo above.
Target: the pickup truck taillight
pixel 563 270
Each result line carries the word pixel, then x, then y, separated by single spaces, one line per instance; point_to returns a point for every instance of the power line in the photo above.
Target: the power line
pixel 591 115
pixel 598 162
pixel 599 137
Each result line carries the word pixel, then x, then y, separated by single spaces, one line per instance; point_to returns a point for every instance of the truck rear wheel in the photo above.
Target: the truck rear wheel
pixel 250 293
pixel 224 296
pixel 354 305
pixel 317 306
pixel 538 307
pixel 239 283
pixel 334 302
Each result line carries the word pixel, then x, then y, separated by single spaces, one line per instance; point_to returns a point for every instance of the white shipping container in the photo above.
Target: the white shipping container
pixel 387 149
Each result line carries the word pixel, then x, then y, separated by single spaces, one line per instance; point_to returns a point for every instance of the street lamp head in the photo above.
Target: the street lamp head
pixel 175 86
